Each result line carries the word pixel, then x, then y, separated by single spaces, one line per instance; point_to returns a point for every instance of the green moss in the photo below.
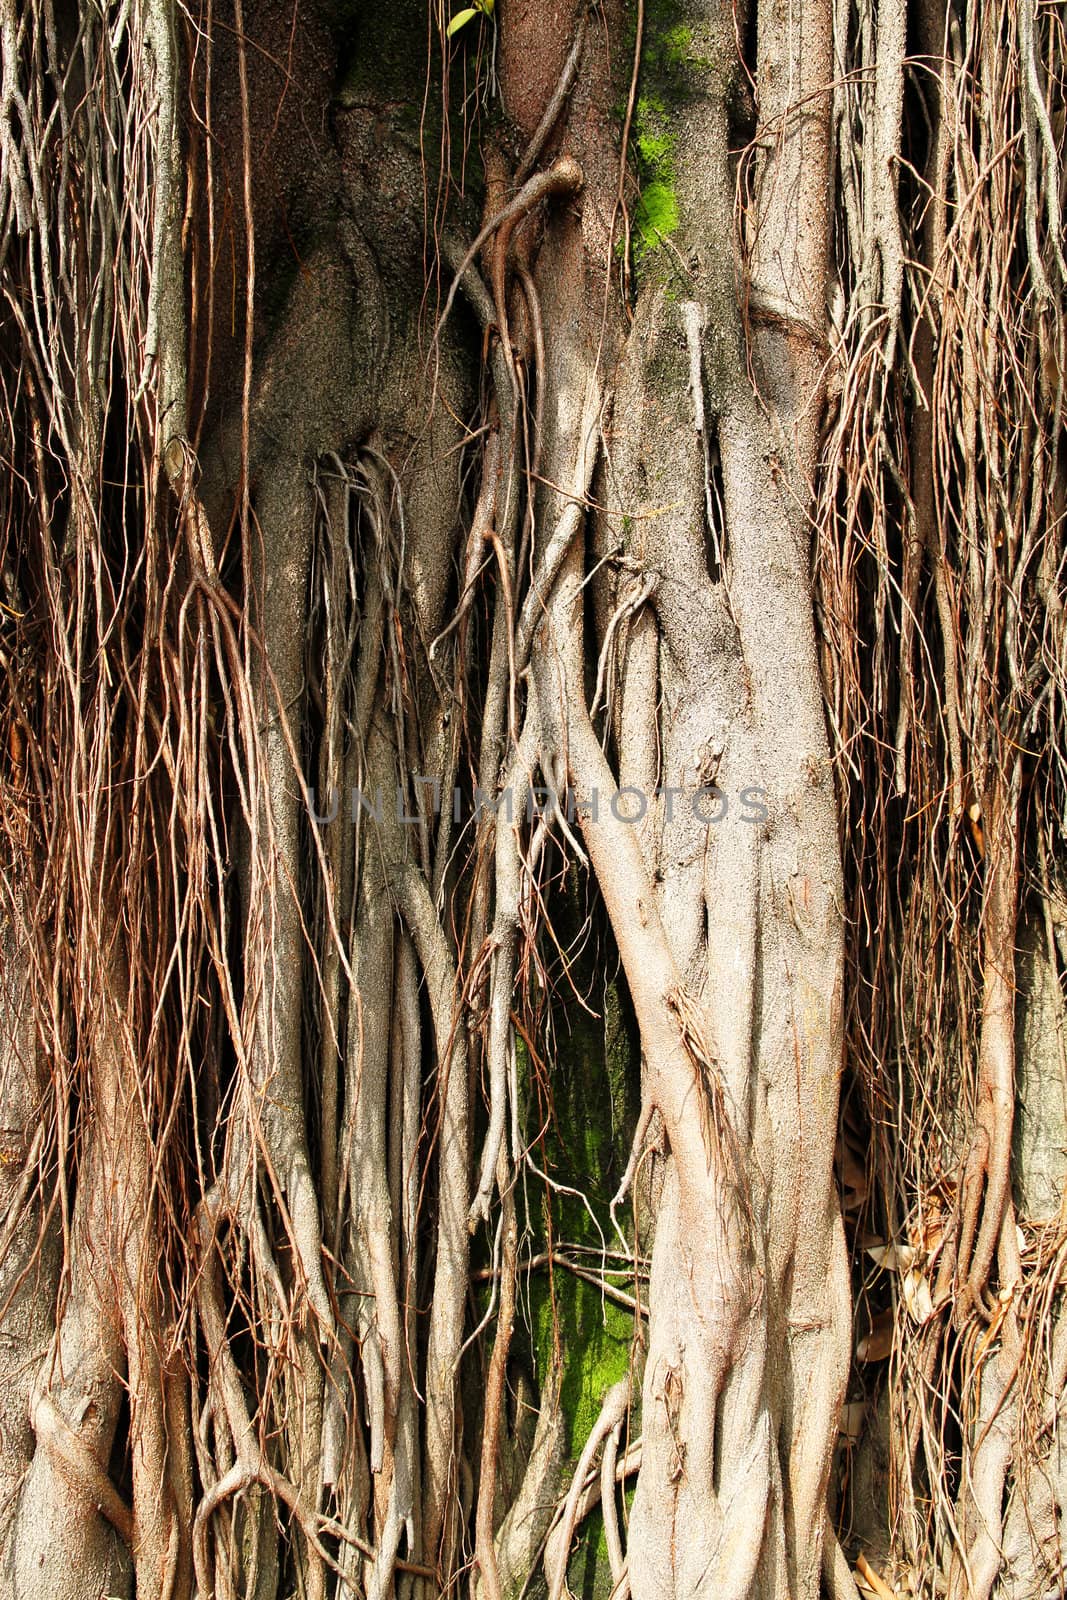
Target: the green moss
pixel 596 1339
pixel 679 49
pixel 656 215
pixel 655 145
pixel 684 61
pixel 589 1570
pixel 675 45
pixel 593 1061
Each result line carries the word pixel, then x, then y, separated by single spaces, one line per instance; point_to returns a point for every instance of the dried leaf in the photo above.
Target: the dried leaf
pixel 852 1173
pixel 893 1257
pixel 876 1344
pixel 917 1296
pixel 871 1580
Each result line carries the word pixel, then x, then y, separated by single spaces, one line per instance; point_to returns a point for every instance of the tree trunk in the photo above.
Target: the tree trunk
pixel 454 470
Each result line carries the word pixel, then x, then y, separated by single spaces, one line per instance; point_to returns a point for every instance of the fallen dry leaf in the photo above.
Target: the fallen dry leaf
pixel 877 1342
pixel 893 1257
pixel 871 1580
pixel 917 1296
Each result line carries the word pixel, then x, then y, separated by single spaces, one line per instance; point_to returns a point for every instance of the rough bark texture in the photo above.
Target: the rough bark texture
pixel 532 646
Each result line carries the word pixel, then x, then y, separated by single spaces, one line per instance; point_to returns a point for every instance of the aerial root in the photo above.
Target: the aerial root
pixel 563 177
pixel 608 1425
pixel 836 1572
pixel 80 1467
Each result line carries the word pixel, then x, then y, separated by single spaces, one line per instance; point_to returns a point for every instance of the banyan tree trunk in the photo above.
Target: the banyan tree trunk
pixel 428 960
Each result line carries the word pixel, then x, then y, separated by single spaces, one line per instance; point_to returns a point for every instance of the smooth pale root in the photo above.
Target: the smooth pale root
pixel 748 1337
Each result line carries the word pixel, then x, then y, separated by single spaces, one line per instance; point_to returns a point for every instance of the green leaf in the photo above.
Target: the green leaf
pixel 461 18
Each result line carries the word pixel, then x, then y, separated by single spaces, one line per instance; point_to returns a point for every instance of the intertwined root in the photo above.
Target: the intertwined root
pixel 266 1071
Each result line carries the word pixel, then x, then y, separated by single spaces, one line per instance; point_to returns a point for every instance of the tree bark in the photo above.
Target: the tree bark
pixel 476 490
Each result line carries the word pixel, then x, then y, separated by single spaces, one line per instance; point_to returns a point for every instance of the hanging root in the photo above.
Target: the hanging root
pixel 607 1426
